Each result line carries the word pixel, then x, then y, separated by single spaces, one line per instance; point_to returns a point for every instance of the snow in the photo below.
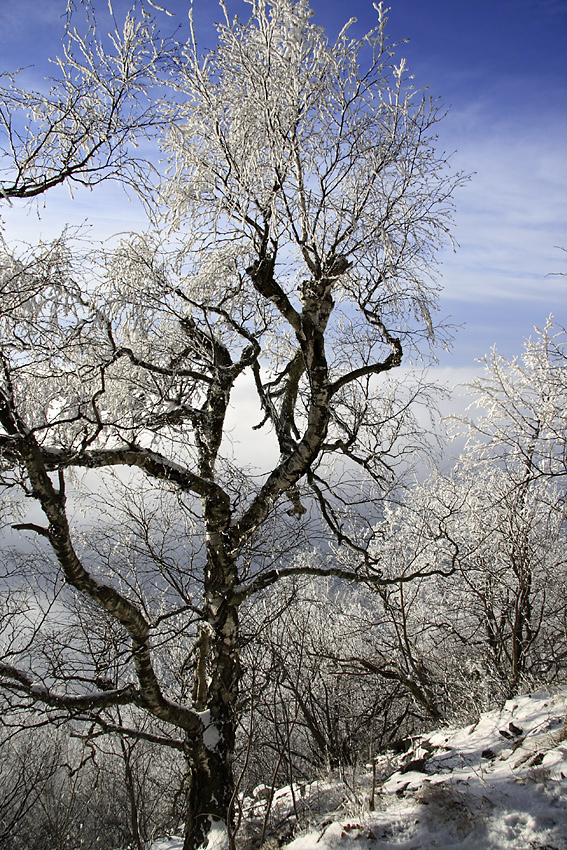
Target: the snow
pixel 211 734
pixel 218 837
pixel 211 737
pixel 498 784
pixel 218 840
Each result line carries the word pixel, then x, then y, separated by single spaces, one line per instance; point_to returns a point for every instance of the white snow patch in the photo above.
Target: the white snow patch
pixel 211 737
pixel 175 843
pixel 211 734
pixel 217 840
pixel 218 836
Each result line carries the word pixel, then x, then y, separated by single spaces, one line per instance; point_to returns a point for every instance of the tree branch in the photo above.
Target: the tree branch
pixel 104 699
pixel 152 463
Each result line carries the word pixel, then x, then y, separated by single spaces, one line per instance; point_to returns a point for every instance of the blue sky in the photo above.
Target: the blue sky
pixel 499 66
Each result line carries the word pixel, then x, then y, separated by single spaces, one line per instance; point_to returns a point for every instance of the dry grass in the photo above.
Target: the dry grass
pixel 451 806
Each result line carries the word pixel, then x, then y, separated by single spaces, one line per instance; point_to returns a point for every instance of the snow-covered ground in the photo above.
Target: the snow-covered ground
pixel 497 784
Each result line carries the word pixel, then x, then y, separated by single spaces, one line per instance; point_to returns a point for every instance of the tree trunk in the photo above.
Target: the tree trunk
pixel 210 787
pixel 210 751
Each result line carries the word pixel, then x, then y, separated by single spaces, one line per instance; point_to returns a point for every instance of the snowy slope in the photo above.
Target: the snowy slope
pixel 500 783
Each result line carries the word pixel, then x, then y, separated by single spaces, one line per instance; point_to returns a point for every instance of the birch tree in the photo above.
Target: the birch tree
pixel 305 203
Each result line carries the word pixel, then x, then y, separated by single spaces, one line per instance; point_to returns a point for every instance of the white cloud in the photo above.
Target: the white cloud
pixel 104 211
pixel 511 215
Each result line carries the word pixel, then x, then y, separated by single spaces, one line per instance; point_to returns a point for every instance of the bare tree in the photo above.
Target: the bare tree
pixel 58 791
pixel 473 638
pixel 521 410
pixel 517 449
pixel 306 206
pixel 489 618
pixel 80 130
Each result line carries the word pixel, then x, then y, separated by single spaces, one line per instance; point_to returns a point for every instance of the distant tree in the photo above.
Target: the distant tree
pixel 521 406
pixel 495 622
pixel 517 448
pixel 58 791
pixel 489 619
pixel 307 203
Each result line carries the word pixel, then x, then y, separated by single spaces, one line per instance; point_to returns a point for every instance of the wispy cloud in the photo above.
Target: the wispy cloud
pixel 513 212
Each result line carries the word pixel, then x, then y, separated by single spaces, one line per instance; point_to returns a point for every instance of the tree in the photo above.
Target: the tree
pixel 60 792
pixel 491 535
pixel 521 403
pixel 306 203
pixel 517 445
pixel 80 131
pixel 493 623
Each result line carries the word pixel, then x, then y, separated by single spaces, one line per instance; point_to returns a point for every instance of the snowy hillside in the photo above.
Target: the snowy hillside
pixel 497 784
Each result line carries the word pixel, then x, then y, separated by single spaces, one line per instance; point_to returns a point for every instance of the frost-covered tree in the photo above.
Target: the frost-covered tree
pixel 517 449
pixel 58 791
pixel 491 534
pixel 80 127
pixel 306 204
pixel 492 620
pixel 521 406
